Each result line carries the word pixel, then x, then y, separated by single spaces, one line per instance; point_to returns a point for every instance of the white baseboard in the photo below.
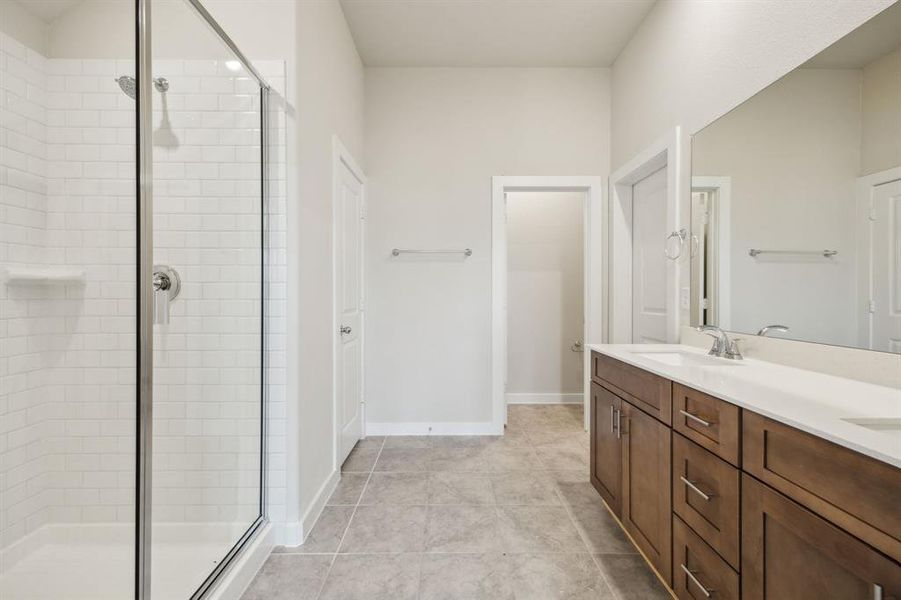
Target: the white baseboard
pixel 576 398
pixel 289 534
pixel 478 428
pixel 294 533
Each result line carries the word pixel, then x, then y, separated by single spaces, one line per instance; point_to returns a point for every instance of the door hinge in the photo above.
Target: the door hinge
pixel 704 303
pixel 872 215
pixel 871 307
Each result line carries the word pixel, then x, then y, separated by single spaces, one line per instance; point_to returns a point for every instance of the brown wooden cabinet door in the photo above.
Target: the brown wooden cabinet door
pixel 606 447
pixel 646 497
pixel 789 552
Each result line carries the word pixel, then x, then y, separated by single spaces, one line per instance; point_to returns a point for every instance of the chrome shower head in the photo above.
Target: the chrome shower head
pixel 128 85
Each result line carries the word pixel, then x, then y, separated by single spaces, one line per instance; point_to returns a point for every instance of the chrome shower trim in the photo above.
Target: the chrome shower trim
pixel 228 42
pixel 143 466
pixel 128 85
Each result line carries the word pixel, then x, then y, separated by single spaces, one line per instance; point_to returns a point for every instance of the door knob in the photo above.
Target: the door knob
pixel 345 330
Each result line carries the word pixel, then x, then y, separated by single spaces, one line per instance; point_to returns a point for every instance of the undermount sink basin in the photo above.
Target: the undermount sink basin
pixel 886 424
pixel 687 359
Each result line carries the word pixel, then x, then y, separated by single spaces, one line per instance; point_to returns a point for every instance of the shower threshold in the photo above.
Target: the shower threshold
pixel 96 562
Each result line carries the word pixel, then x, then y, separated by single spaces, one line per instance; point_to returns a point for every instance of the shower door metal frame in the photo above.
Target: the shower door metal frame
pixel 144 353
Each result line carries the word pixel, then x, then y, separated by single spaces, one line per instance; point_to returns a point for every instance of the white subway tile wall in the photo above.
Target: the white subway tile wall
pixel 67 375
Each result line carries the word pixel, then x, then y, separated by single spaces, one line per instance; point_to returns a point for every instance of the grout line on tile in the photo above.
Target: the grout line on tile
pixel 569 513
pixel 349 521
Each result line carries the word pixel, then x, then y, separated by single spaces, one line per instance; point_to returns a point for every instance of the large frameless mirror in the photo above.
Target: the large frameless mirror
pixel 796 201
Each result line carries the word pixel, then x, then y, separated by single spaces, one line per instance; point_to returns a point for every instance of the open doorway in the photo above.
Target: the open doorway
pixel 545 296
pixel 545 291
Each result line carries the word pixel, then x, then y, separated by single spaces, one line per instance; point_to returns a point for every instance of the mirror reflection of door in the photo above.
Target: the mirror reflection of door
pixel 885 326
pixel 710 250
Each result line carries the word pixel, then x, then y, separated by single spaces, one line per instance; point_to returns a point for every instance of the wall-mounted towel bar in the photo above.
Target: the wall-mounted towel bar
pixel 399 251
pixel 826 253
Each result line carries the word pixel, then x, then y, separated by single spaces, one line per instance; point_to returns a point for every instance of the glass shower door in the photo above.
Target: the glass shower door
pixel 208 301
pixel 67 303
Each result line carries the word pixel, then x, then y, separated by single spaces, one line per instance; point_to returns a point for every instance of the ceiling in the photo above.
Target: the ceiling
pixel 47 10
pixel 492 33
pixel 874 39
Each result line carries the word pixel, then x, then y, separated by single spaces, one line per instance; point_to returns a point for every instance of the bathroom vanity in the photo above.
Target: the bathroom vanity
pixel 747 479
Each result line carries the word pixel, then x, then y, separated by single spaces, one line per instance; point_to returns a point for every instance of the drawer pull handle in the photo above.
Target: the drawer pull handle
pixel 694 580
pixel 690 485
pixel 696 418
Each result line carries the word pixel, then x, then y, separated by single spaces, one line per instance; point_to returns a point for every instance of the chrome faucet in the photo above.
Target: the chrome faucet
pixel 723 345
pixel 765 330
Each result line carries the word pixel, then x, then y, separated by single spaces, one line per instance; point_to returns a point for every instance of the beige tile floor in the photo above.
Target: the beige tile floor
pixel 465 518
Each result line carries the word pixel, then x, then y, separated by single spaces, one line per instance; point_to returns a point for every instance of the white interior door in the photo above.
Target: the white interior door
pixel 649 283
pixel 349 310
pixel 886 330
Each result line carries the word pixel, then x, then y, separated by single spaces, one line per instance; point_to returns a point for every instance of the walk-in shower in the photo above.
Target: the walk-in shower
pixel 133 302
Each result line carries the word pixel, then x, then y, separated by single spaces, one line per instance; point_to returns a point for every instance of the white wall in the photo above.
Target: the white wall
pixel 881 106
pixel 434 138
pixel 23 27
pixel 329 102
pixel 690 62
pixel 792 153
pixel 544 296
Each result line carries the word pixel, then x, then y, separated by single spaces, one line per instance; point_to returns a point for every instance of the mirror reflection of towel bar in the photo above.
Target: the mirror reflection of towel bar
pixel 399 251
pixel 826 253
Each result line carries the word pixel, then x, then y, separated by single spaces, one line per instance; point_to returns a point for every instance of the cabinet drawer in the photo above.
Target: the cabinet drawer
pixel 645 390
pixel 699 572
pixel 708 421
pixel 857 493
pixel 706 495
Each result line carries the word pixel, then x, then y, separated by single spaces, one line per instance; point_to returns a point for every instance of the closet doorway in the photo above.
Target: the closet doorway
pixel 543 245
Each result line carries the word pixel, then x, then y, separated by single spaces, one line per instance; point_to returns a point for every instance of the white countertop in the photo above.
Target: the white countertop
pixel 809 401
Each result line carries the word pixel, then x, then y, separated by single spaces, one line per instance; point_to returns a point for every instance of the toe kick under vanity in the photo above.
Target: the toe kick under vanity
pixel 745 479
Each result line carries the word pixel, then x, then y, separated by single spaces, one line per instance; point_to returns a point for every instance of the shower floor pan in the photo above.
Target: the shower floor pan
pixel 97 563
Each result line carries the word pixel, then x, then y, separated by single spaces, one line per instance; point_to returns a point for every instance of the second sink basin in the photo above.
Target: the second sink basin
pixel 887 424
pixel 687 359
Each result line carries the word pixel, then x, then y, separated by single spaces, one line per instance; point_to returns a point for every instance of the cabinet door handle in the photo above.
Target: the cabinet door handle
pixel 707 592
pixel 612 419
pixel 619 423
pixel 691 485
pixel 695 418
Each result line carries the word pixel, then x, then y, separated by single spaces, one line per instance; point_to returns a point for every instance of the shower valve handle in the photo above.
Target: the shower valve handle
pixel 166 286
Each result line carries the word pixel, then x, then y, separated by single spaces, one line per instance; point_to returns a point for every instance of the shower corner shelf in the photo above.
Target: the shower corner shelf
pixel 43 276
